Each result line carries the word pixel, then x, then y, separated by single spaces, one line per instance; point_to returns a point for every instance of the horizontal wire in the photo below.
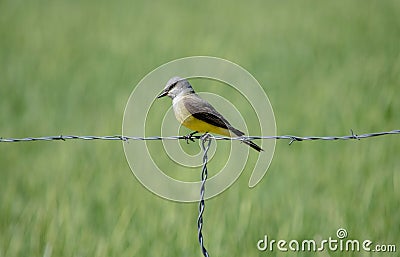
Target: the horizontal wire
pixel 291 138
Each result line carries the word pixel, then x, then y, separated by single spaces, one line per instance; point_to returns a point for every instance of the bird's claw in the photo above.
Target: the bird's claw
pixel 189 137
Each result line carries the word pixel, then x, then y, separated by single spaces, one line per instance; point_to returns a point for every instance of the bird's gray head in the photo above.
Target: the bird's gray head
pixel 176 86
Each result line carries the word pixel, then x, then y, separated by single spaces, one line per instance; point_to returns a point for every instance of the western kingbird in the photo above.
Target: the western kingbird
pixel 197 114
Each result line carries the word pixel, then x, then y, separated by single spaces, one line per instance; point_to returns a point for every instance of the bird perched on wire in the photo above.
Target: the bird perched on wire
pixel 196 113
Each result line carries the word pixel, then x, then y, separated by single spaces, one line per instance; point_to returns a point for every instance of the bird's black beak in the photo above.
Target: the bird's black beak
pixel 163 93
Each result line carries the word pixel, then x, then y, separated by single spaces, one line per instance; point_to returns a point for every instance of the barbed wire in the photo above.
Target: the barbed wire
pixel 205 145
pixel 206 140
pixel 291 138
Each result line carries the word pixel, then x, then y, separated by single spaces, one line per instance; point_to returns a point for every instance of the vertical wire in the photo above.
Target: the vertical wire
pixel 205 144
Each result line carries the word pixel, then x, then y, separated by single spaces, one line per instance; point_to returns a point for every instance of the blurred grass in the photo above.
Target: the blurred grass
pixel 68 67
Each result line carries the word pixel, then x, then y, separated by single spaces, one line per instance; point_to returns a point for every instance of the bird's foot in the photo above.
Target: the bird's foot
pixel 190 137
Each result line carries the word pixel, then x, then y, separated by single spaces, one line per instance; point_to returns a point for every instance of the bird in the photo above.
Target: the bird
pixel 196 113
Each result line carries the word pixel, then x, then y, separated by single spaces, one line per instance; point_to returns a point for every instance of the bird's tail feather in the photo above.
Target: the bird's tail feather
pixel 247 142
pixel 253 145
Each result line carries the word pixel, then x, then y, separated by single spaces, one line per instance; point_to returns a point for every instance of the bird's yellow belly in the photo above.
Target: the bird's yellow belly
pixel 202 127
pixel 189 121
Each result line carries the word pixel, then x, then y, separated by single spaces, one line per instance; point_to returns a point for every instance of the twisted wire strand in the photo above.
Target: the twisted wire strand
pixel 291 138
pixel 205 145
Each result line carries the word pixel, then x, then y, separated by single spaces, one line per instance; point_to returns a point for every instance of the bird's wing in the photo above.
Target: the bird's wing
pixel 202 110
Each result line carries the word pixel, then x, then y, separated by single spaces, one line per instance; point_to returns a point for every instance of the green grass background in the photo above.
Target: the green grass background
pixel 68 67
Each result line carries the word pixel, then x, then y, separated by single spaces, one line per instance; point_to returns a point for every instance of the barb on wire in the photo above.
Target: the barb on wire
pixel 205 145
pixel 291 138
